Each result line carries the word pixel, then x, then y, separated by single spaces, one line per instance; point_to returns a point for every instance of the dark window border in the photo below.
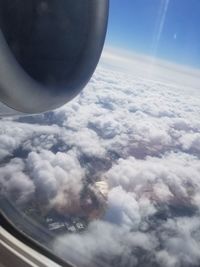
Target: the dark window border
pixel 9 214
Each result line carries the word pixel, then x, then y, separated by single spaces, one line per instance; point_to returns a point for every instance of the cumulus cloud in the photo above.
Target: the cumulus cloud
pixel 191 141
pixel 138 135
pixel 115 248
pixel 58 179
pixel 152 215
pixel 14 183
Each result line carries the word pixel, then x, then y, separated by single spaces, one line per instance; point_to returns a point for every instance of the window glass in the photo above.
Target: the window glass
pixel 113 177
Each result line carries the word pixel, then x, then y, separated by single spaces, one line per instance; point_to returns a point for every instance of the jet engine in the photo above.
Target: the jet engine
pixel 49 50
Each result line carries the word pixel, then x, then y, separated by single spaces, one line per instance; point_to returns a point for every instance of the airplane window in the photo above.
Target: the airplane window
pixel 113 177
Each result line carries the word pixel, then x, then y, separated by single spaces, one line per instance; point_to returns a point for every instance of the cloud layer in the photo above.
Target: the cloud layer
pixel 142 138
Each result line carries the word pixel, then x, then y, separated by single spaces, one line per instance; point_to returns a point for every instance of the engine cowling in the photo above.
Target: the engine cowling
pixel 49 50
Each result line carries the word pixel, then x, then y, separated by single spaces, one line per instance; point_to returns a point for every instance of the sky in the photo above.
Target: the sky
pixel 167 29
pixel 140 136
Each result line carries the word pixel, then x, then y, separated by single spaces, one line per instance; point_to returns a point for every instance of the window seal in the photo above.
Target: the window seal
pixel 11 228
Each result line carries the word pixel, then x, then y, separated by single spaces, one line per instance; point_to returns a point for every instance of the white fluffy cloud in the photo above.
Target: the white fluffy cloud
pixel 15 183
pixel 57 177
pixel 113 244
pixel 141 136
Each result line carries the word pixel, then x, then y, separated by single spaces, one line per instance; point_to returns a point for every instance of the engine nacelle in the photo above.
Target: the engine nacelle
pixel 49 50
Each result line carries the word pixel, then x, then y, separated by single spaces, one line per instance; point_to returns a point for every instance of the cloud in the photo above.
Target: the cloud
pixel 123 208
pixel 151 216
pixel 182 245
pixel 15 184
pixel 191 141
pixel 57 177
pixel 105 244
pixel 140 136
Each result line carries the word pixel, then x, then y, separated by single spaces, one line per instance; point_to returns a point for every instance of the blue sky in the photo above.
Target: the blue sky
pixel 168 29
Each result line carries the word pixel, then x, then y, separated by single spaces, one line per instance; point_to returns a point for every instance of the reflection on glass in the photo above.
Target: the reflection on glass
pixel 113 178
